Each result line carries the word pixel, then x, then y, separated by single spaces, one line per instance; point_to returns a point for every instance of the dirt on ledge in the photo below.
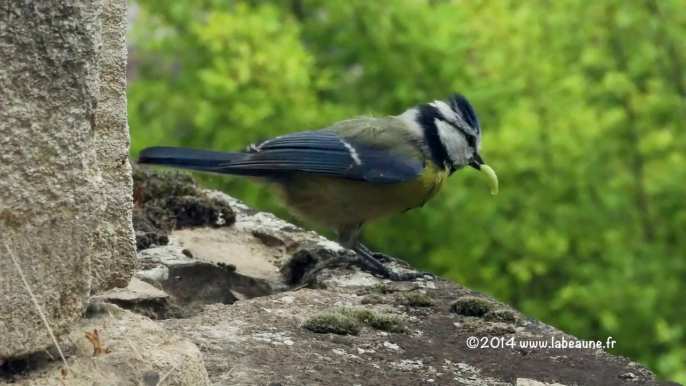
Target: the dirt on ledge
pixel 168 200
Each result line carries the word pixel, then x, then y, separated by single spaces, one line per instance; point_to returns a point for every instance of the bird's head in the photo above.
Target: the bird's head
pixel 452 133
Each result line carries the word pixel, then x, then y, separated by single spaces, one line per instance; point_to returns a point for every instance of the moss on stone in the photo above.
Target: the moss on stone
pixel 150 185
pixel 472 324
pixel 348 321
pixel 386 322
pixel 418 299
pixel 377 321
pixel 502 316
pixel 382 288
pixel 471 306
pixel 336 323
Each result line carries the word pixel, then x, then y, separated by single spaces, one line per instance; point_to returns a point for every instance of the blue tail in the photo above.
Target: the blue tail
pixel 193 159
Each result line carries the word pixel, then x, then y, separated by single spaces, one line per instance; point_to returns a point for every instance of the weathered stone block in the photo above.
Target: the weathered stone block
pixel 50 183
pixel 114 250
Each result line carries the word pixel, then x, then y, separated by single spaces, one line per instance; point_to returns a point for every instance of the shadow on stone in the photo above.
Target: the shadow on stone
pixel 193 286
pixel 301 263
pixel 188 284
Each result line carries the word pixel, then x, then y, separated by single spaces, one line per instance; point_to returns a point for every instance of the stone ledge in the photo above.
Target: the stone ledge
pixel 137 352
pixel 262 340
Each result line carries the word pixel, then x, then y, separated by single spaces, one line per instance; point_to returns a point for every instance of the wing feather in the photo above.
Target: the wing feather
pixel 325 152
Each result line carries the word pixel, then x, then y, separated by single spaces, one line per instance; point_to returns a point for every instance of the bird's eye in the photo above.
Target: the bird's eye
pixel 471 141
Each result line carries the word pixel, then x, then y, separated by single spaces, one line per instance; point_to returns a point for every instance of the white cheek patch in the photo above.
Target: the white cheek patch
pixel 454 142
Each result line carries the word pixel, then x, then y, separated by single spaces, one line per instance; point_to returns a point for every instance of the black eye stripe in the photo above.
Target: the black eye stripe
pixel 471 141
pixel 427 120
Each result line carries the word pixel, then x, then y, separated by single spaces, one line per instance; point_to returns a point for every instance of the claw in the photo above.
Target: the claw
pixel 409 276
pixel 369 262
pixel 385 258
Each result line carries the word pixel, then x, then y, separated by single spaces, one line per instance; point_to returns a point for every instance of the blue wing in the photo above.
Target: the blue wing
pixel 324 152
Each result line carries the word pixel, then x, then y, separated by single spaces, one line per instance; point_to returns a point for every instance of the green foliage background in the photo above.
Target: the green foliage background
pixel 583 107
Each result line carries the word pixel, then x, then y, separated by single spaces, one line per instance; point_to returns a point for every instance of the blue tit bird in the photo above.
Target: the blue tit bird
pixel 356 170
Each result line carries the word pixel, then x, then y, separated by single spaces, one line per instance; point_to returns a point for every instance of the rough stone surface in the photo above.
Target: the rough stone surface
pixel 139 297
pixel 136 290
pixel 264 340
pixel 247 253
pixel 50 195
pixel 114 248
pixel 136 351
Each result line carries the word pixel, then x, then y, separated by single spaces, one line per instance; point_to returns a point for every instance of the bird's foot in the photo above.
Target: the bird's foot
pixel 382 257
pixel 369 262
pixel 409 276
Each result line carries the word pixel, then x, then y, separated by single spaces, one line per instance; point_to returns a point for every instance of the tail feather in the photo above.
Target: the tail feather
pixel 194 159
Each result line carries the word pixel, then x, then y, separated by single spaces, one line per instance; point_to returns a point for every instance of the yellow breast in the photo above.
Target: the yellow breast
pixel 334 201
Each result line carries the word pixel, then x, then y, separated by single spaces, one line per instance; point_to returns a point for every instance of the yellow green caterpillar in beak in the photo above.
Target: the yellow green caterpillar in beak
pixel 478 163
pixel 492 178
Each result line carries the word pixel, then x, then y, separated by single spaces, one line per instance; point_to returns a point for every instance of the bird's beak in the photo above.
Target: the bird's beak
pixel 478 164
pixel 476 161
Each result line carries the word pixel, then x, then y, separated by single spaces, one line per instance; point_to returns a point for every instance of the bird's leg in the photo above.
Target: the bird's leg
pixel 310 277
pixel 348 237
pixel 370 263
pixel 384 258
